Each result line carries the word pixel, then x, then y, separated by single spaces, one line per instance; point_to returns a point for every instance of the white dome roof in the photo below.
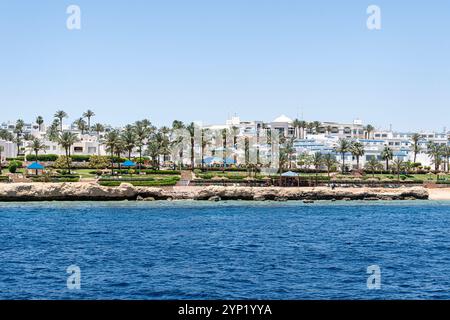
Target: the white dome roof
pixel 282 118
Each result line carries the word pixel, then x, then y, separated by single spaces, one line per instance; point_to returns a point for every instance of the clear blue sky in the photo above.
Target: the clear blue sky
pixel 208 59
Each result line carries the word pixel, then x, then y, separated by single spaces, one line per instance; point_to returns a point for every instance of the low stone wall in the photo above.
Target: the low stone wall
pixel 92 191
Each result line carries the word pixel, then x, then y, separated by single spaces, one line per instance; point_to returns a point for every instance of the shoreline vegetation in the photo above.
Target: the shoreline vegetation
pixel 91 191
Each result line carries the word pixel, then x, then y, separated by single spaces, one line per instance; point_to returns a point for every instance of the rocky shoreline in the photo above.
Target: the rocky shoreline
pixel 73 191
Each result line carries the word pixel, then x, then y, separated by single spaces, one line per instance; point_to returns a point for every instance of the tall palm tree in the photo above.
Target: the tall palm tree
pixel 316 126
pixel 37 145
pixel 387 155
pixel 142 131
pixel 67 140
pixel 343 147
pixel 296 124
pixel 177 139
pixel 81 125
pixel 164 142
pixel 6 135
pixel 357 150
pixel 119 150
pixel 329 160
pixel 369 129
pixel 27 136
pixel 317 161
pixel 60 115
pixel 224 148
pixel 40 122
pixel 415 147
pixel 204 143
pixel 446 156
pixel 2 148
pixel 88 115
pixel 373 165
pixel 235 132
pixel 153 150
pixel 302 126
pixel 98 128
pixel 52 133
pixel 18 130
pixel 398 165
pixel 111 141
pixel 128 138
pixel 434 151
pixel 191 129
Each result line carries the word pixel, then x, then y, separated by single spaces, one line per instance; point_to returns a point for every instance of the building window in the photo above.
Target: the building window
pixel 78 149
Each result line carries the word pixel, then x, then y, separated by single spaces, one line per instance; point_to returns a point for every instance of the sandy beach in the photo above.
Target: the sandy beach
pixel 439 194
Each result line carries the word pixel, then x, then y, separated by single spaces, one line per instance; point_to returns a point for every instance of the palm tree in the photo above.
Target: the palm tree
pixel 6 135
pixel 142 130
pixel 27 136
pixel 296 124
pixel 37 145
pixel 98 128
pixel 53 132
pixel 2 148
pixel 89 114
pixel 317 161
pixel 205 142
pixel 415 147
pixel 111 141
pixel 316 126
pixel 373 165
pixel 247 152
pixel 235 132
pixel 290 150
pixel 177 140
pixel 40 122
pixel 153 151
pixel 129 139
pixel 60 115
pixel 302 125
pixel 191 129
pixel 224 148
pixel 387 155
pixel 398 165
pixel 18 130
pixel 164 142
pixel 446 155
pixel 81 124
pixel 119 149
pixel 67 140
pixel 357 150
pixel 310 127
pixel 434 151
pixel 369 129
pixel 343 147
pixel 329 160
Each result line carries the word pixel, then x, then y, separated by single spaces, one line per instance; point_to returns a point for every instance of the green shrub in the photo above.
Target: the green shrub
pixel 80 158
pixel 13 165
pixel 20 158
pixel 141 183
pixel 99 162
pixel 61 162
pixel 109 183
pixel 42 157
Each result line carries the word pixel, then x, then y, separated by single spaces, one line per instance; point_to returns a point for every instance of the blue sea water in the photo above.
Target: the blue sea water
pixel 225 250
